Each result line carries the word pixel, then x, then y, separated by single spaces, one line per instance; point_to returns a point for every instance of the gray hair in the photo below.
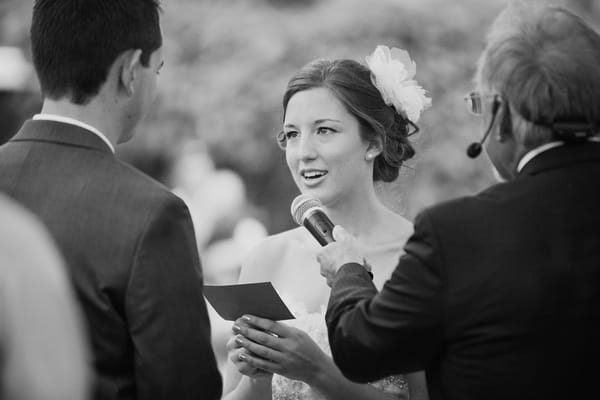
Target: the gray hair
pixel 544 61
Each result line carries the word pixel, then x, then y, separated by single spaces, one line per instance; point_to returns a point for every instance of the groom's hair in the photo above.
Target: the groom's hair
pixel 544 62
pixel 75 42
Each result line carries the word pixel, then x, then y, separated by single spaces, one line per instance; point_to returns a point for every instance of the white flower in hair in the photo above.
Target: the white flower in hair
pixel 392 72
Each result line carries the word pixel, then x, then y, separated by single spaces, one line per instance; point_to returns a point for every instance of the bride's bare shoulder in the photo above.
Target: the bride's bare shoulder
pixel 269 253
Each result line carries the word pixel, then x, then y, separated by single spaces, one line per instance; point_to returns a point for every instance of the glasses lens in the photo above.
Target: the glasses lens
pixel 281 140
pixel 473 101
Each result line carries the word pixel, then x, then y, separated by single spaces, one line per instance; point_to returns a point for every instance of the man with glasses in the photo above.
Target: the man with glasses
pixel 497 295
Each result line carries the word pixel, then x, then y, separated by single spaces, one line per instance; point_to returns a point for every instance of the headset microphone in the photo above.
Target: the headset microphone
pixel 474 148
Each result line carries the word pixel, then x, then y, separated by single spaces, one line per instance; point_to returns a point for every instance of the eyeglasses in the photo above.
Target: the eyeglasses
pixel 281 140
pixel 475 99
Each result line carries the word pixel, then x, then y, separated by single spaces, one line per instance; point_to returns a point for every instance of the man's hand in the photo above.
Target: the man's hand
pixel 344 250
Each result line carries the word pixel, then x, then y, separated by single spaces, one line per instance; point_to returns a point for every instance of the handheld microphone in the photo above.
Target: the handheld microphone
pixel 308 211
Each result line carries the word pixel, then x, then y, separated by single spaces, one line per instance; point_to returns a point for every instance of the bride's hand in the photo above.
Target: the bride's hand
pixel 238 356
pixel 279 348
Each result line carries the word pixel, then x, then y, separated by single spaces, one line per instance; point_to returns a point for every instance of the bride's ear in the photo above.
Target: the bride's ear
pixel 374 149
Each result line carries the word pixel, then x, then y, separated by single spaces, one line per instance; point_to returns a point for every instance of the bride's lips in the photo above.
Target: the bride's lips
pixel 312 176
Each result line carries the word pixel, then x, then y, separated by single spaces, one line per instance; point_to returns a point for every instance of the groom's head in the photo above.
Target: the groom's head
pixel 75 43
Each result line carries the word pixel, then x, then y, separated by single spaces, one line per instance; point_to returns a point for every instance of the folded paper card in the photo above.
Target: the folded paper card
pixel 258 299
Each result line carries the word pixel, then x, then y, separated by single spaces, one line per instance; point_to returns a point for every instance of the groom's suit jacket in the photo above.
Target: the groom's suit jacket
pixel 132 257
pixel 497 295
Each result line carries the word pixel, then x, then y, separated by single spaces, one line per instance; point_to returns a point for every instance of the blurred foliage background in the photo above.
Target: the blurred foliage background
pixel 227 64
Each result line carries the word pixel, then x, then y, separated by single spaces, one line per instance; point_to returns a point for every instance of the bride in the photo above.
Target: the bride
pixel 346 127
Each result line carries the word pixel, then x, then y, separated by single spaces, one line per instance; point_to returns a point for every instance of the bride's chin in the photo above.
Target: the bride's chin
pixel 318 194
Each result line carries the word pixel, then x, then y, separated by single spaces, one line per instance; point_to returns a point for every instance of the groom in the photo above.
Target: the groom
pixel 497 295
pixel 128 241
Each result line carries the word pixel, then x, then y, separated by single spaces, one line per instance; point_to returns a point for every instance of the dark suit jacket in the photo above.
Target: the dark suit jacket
pixel 130 247
pixel 497 296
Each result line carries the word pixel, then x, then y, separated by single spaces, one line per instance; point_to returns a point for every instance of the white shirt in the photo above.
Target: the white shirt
pixel 72 121
pixel 545 147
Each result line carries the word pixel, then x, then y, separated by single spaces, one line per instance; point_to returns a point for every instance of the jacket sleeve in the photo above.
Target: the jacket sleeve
pixel 167 315
pixel 397 330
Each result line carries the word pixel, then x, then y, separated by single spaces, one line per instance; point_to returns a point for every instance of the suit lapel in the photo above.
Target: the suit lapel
pixel 60 133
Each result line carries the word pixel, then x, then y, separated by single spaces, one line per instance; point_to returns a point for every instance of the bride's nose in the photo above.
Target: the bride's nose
pixel 307 148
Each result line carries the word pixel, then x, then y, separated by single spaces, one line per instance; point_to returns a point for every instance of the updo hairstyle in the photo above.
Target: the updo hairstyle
pixel 351 83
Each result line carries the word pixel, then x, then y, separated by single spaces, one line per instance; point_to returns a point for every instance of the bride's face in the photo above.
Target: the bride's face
pixel 325 152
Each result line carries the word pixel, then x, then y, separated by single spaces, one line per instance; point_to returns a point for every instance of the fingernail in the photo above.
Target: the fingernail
pixel 247 318
pixel 239 341
pixel 236 329
pixel 242 357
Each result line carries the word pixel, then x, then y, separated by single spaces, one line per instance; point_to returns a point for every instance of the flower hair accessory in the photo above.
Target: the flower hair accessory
pixel 392 73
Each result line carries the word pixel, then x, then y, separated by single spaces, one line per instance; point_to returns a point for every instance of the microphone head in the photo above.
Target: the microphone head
pixel 474 149
pixel 301 204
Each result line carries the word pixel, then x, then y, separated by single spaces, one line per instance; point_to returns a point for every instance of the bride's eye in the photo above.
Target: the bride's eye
pixel 324 130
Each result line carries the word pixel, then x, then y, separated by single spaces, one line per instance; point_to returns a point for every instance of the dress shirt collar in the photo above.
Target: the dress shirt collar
pixel 545 147
pixel 535 152
pixel 72 121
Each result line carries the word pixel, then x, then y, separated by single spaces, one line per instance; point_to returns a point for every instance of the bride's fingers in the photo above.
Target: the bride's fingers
pixel 231 344
pixel 260 364
pixel 257 349
pixel 259 337
pixel 239 359
pixel 266 325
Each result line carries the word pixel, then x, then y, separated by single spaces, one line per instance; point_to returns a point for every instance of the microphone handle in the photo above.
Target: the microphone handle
pixel 320 226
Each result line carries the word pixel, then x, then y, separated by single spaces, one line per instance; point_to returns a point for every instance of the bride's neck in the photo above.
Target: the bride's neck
pixel 362 217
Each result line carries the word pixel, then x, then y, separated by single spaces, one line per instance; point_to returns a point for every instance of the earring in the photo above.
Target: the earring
pixel 369 156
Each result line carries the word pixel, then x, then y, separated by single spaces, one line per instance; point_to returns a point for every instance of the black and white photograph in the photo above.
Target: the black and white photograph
pixel 299 199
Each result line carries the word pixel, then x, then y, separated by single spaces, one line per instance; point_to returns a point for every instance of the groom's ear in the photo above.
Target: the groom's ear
pixel 131 61
pixel 506 123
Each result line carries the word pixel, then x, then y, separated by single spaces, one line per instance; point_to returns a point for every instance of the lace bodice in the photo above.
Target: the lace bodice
pixel 314 325
pixel 289 261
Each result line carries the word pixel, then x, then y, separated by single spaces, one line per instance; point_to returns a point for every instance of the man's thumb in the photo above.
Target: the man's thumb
pixel 339 233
